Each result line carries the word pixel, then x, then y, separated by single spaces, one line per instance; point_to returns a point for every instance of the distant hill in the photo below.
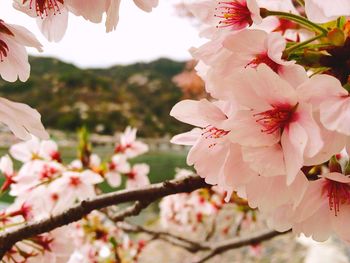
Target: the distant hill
pixel 105 100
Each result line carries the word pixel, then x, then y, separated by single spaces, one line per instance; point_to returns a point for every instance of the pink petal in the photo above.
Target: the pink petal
pixel 335 114
pixel 294 140
pixel 53 26
pixel 267 161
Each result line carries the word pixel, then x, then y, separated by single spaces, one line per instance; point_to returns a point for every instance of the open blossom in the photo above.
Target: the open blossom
pixel 213 155
pixel 117 167
pixel 137 176
pixel 279 120
pixel 13 55
pixel 128 145
pixel 326 10
pixel 325 208
pixel 224 16
pixel 33 174
pixel 51 16
pixel 237 51
pixel 74 186
pixel 35 149
pixel 333 102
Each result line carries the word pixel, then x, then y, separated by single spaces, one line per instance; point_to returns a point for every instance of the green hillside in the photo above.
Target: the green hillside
pixel 105 100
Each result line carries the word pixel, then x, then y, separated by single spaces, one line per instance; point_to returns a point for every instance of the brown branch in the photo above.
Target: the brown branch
pixel 132 210
pixel 188 244
pixel 196 246
pixel 75 213
pixel 235 243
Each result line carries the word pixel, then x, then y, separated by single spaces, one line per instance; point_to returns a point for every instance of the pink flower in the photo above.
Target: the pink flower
pixel 217 16
pixel 117 166
pixel 13 55
pixel 51 16
pixel 33 174
pixel 325 208
pixel 74 186
pixel 238 14
pixel 275 119
pixel 333 101
pixel 129 146
pixel 21 119
pixel 138 176
pixel 35 149
pixel 213 155
pixel 240 50
pixel 326 10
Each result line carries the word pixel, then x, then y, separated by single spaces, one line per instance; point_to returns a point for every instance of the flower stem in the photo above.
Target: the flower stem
pixel 301 44
pixel 298 19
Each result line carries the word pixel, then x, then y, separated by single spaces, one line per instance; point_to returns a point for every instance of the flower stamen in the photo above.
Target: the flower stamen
pixel 338 193
pixel 275 119
pixel 42 7
pixel 234 14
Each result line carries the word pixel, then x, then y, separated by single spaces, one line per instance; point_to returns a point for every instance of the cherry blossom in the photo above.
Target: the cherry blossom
pixel 128 145
pixel 138 176
pixel 74 186
pixel 213 155
pixel 221 16
pixel 117 166
pixel 13 55
pixel 326 200
pixel 35 149
pixel 51 16
pixel 277 113
pixel 237 51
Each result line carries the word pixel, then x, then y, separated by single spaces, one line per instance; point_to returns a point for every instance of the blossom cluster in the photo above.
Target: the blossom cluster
pixel 44 186
pixel 276 131
pixel 204 213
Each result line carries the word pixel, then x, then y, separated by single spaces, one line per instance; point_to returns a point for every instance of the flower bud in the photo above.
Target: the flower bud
pixel 334 165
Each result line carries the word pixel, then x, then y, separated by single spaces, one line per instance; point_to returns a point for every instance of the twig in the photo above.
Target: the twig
pixel 196 246
pixel 132 210
pixel 188 244
pixel 75 213
pixel 226 245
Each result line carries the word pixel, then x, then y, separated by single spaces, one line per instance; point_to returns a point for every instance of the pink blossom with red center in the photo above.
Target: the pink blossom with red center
pixel 235 14
pixel 278 121
pixel 277 118
pixel 325 208
pixel 222 57
pixel 213 155
pixel 42 7
pixel 138 176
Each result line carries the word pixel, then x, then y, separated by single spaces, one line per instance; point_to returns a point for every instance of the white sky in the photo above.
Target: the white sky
pixel 139 36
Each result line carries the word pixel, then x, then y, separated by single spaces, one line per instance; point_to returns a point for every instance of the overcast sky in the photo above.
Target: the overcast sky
pixel 139 36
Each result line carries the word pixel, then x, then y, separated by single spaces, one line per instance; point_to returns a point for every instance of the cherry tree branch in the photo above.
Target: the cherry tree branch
pixel 234 243
pixel 196 246
pixel 10 237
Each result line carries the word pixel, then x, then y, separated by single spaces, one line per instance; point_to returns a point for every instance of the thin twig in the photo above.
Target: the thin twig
pixel 235 243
